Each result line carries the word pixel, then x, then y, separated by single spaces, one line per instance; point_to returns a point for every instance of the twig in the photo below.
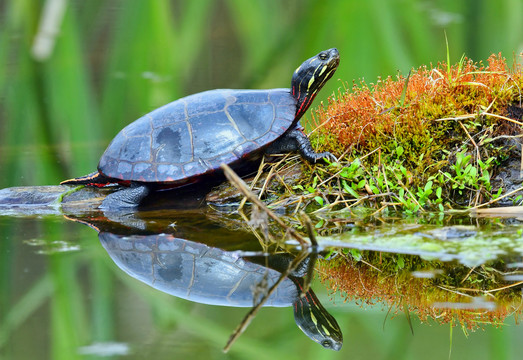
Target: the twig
pixel 310 230
pixel 314 242
pixel 468 274
pixel 254 310
pixel 472 116
pixel 505 287
pixel 383 207
pixel 497 199
pixel 266 182
pixel 470 138
pixel 503 118
pixel 254 181
pixel 244 189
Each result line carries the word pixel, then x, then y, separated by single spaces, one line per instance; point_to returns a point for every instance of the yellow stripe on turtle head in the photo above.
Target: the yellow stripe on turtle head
pixel 314 320
pixel 311 81
pixel 325 331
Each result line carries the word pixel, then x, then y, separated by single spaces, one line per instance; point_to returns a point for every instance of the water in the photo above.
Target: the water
pixel 63 290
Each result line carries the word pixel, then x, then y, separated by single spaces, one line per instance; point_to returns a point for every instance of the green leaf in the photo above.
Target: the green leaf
pixel 356 254
pixel 400 261
pixel 428 187
pixel 344 173
pixel 403 170
pixel 315 182
pixel 319 200
pixel 350 190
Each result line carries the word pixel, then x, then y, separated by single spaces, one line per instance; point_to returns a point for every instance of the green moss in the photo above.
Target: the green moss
pixel 404 142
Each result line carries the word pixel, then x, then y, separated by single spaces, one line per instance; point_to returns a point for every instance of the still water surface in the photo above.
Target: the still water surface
pixel 71 291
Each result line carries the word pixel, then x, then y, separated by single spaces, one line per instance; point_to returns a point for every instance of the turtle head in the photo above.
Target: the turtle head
pixel 309 78
pixel 316 322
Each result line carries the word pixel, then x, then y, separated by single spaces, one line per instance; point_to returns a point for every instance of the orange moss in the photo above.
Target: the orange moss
pixel 356 281
pixel 375 110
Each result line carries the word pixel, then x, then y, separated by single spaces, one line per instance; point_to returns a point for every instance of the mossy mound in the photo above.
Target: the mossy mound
pixel 432 140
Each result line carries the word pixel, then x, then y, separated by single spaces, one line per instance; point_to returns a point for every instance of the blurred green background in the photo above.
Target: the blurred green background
pixel 75 72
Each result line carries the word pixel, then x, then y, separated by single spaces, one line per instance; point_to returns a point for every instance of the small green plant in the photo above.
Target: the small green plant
pixel 353 171
pixel 439 199
pixel 464 175
pixel 467 176
pixel 409 203
pixel 353 178
pixel 312 188
pixel 356 254
pixel 424 194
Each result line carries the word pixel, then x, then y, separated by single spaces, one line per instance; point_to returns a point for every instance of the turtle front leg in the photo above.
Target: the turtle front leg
pixel 126 198
pixel 295 140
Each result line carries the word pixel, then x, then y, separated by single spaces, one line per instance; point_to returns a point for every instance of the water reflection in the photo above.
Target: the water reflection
pixel 430 289
pixel 206 274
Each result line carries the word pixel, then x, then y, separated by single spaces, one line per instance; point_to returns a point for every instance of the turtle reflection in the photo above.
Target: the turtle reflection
pixel 210 275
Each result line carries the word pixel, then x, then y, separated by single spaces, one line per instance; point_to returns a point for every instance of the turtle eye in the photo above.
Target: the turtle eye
pixel 323 56
pixel 326 344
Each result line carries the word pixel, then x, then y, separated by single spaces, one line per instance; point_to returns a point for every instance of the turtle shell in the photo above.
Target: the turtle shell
pixel 192 136
pixel 195 271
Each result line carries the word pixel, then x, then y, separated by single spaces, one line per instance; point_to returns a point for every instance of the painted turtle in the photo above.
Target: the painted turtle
pixel 208 275
pixel 185 141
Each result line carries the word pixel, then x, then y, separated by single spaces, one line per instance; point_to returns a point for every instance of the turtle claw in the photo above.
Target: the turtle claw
pixel 328 157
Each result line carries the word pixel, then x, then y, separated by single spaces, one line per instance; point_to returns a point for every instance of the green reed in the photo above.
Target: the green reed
pixel 111 64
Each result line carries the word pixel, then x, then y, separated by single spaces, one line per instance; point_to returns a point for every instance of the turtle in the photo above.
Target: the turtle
pixel 186 141
pixel 209 275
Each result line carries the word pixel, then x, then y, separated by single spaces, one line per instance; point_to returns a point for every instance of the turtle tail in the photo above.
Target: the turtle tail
pixel 92 179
